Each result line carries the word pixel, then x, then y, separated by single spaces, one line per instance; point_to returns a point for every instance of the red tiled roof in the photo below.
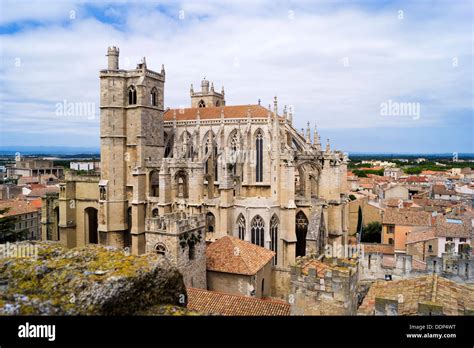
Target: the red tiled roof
pixel 37 203
pixel 371 168
pixel 414 179
pixel 420 235
pixel 234 111
pixel 442 190
pixel 432 172
pixel 406 217
pixel 39 192
pixel 394 202
pixel 453 226
pixel 36 186
pixel 233 255
pixel 373 248
pixel 214 302
pixel 17 207
pixel 321 268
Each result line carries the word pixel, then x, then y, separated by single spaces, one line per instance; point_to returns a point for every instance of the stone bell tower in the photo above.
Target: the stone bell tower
pixel 208 97
pixel 131 140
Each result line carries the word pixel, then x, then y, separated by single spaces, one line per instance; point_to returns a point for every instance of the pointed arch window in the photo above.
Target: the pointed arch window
pixel 202 104
pixel 259 156
pixel 207 149
pixel 234 144
pixel 169 138
pixel 258 231
pixel 216 172
pixel 301 232
pixel 153 97
pixel 274 224
pixel 132 95
pixel 241 226
pixel 211 146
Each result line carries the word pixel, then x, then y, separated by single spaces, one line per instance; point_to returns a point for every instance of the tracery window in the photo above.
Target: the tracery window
pixel 258 231
pixel 153 96
pixel 132 95
pixel 241 226
pixel 259 156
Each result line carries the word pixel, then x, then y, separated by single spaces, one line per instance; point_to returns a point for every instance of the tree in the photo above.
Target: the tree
pixel 7 228
pixel 413 170
pixel 360 173
pixel 359 220
pixel 372 232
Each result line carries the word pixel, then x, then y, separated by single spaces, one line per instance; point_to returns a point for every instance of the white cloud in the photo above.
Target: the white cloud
pixel 301 60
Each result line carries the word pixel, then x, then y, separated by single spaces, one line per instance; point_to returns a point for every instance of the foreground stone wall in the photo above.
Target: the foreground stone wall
pixel 93 280
pixel 378 266
pixel 324 288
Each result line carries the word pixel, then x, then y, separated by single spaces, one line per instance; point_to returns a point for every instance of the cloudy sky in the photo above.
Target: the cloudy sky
pixel 345 66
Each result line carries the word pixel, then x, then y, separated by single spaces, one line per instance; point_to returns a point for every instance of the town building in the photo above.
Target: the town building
pixel 441 192
pixel 235 266
pixel 394 173
pixel 85 165
pixel 398 223
pixel 33 167
pixel 27 215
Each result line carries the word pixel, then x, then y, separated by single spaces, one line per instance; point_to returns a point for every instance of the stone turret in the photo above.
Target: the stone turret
pixel 113 58
pixel 205 86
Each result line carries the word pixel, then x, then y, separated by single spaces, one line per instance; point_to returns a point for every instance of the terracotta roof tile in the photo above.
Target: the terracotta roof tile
pixel 232 255
pixel 40 192
pixel 393 202
pixel 420 235
pixel 432 172
pixel 373 248
pixel 453 226
pixel 321 267
pixel 414 179
pixel 406 217
pixel 214 302
pixel 442 190
pixel 233 111
pixel 18 207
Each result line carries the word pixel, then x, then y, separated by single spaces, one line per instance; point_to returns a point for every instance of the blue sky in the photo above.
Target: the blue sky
pixel 335 62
